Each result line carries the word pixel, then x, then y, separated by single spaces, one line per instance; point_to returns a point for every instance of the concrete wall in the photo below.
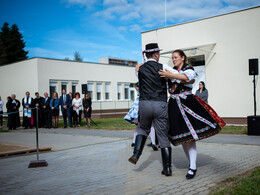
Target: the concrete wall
pixel 17 78
pixel 237 39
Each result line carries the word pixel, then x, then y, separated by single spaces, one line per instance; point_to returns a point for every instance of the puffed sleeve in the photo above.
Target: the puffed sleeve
pixel 172 70
pixel 191 74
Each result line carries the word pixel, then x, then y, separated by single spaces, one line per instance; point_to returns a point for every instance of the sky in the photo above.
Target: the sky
pixel 102 28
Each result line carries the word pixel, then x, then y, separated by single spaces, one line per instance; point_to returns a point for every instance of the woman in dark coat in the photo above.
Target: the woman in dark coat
pixel 54 104
pixel 202 92
pixel 87 108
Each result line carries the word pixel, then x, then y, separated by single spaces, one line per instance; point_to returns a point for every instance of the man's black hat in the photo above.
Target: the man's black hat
pixel 151 47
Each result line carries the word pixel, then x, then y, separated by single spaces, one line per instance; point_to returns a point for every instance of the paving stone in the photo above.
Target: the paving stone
pixel 211 185
pixel 95 162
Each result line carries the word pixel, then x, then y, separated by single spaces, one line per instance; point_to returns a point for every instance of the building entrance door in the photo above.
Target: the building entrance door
pixel 198 63
pixel 201 71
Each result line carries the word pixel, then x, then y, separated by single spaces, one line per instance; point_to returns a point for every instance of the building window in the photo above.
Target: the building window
pixel 197 60
pixel 74 87
pixel 99 91
pixel 53 87
pixel 63 86
pixel 132 94
pixel 127 91
pixel 119 91
pixel 90 90
pixel 132 91
pixel 107 85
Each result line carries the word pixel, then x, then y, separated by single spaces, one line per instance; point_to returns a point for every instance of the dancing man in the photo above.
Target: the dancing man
pixel 153 108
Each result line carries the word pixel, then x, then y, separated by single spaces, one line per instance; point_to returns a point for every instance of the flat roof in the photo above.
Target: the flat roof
pixel 122 59
pixel 66 61
pixel 203 19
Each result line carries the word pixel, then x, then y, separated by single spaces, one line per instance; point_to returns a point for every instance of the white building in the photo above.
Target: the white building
pixel 221 45
pixel 112 87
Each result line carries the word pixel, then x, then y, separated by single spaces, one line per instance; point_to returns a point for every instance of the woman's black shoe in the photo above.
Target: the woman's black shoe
pixel 133 144
pixel 189 176
pixel 154 147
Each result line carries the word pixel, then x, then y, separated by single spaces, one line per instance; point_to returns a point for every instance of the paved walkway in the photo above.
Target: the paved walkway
pixel 95 162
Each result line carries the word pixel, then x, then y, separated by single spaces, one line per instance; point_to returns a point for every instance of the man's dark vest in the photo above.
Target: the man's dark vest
pixel 152 86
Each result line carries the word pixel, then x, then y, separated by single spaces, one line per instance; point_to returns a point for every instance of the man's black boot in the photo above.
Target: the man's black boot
pixel 139 146
pixel 167 161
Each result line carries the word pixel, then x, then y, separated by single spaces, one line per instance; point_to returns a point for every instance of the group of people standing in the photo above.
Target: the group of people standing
pixel 183 119
pixel 48 109
pixel 12 106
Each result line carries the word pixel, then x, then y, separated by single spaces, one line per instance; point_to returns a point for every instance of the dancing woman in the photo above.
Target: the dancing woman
pixel 190 118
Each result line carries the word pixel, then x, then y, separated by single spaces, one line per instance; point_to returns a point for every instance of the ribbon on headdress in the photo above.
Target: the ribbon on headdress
pixel 143 57
pixel 149 51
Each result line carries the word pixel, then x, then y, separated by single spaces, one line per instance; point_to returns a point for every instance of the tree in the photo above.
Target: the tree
pixel 67 59
pixel 11 45
pixel 77 57
pixel 3 55
pixel 5 36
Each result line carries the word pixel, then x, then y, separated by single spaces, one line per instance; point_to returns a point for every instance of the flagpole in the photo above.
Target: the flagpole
pixel 165 13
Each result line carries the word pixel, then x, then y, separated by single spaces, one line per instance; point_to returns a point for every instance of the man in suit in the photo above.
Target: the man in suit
pixel 153 107
pixel 38 103
pixel 27 103
pixel 1 112
pixel 65 108
pixel 46 110
pixel 13 106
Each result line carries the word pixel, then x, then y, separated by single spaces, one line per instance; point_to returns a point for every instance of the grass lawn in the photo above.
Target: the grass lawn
pixel 103 123
pixel 246 183
pixel 3 131
pixel 234 130
pixel 106 123
pixel 121 124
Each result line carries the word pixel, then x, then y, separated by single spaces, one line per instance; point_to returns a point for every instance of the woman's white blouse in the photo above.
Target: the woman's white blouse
pixel 191 74
pixel 77 103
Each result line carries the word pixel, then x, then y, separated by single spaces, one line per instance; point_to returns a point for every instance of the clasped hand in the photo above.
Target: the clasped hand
pixel 165 73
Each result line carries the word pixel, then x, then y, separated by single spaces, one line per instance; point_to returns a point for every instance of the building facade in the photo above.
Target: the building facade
pixel 220 48
pixel 111 87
